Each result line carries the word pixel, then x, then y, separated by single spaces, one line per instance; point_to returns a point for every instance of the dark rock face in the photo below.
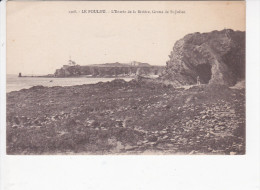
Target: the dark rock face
pixel 217 57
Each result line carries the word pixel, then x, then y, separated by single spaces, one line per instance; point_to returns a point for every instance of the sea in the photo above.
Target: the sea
pixel 15 83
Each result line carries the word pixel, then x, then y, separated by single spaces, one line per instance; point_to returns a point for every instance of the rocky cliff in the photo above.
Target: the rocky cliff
pixel 109 70
pixel 217 57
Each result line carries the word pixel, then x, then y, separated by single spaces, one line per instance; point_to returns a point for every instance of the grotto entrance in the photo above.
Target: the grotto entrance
pixel 204 72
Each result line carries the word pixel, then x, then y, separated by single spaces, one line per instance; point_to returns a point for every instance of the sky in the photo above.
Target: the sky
pixel 42 36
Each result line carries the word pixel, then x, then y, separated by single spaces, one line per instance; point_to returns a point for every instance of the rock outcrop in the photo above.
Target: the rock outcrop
pixel 217 57
pixel 109 70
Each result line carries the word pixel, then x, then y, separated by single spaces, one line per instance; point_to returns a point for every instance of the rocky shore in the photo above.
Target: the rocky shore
pixel 119 117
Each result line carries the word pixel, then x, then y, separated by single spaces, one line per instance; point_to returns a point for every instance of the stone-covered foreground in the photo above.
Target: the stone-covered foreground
pixel 121 117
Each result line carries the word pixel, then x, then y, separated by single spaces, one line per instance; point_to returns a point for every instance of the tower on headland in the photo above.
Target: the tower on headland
pixel 20 75
pixel 71 63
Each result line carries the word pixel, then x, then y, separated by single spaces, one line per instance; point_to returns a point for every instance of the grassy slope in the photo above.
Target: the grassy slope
pixel 126 118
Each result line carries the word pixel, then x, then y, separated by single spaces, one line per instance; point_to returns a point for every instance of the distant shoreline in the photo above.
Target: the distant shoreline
pixel 15 83
pixel 81 76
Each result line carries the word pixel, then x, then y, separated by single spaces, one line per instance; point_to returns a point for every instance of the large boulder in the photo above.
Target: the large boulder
pixel 217 57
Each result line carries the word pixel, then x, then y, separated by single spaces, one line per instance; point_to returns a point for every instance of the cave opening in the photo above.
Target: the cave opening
pixel 204 72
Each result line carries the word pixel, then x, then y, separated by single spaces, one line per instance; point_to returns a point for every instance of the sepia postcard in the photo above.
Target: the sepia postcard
pixel 125 78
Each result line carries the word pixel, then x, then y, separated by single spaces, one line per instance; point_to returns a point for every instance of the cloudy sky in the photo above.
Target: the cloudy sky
pixel 41 36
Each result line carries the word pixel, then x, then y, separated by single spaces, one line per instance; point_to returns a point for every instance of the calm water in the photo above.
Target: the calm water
pixel 15 83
